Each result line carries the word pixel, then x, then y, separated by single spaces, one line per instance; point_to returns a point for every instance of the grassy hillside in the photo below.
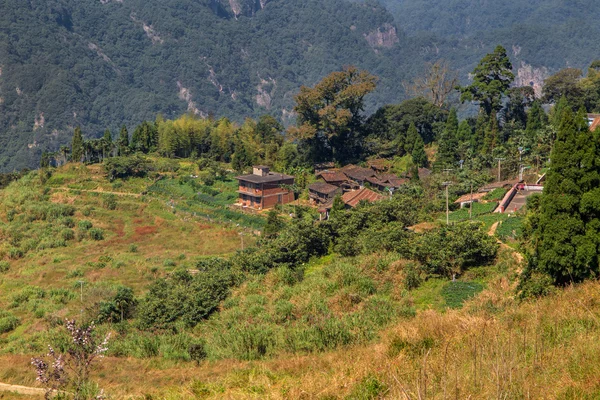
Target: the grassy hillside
pixel 77 236
pixel 494 346
pixel 354 327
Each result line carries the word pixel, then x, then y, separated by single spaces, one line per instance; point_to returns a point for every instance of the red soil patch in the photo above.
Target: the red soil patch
pixel 146 230
pixel 119 228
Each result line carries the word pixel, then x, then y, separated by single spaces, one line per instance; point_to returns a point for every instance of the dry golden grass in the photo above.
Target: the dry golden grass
pixel 544 349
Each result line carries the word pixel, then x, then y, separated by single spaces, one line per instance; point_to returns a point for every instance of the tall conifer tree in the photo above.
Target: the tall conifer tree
pixel 418 154
pixel 448 142
pixel 123 142
pixel 77 145
pixel 567 234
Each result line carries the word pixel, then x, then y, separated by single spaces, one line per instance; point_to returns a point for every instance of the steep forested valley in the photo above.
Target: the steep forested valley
pixel 103 64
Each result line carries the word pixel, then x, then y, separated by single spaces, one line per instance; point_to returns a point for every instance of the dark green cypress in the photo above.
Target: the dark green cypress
pixel 77 145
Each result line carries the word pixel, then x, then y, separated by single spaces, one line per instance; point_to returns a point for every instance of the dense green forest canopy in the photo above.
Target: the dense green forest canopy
pixel 103 64
pixel 550 33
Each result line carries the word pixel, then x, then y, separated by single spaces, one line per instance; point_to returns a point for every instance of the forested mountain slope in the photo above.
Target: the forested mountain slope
pixel 545 33
pixel 106 63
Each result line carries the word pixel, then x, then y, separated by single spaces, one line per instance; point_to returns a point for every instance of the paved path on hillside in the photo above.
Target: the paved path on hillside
pixel 519 201
pixel 31 391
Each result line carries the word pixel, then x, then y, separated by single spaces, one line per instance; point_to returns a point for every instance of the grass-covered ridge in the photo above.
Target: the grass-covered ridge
pixel 345 308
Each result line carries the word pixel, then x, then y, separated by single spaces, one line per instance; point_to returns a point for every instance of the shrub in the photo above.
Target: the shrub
pixel 454 248
pixel 52 243
pixel 120 307
pixel 84 225
pixel 4 266
pixel 169 263
pixel 8 322
pixel 96 234
pixel 126 167
pixel 412 277
pixel 14 253
pixel 109 201
pixel 76 273
pixel 133 248
pixel 67 234
pixel 197 352
pixel 68 222
pixel 186 297
pixel 535 284
pixel 10 215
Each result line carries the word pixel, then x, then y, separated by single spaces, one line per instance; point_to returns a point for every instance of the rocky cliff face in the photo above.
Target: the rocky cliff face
pixel 527 75
pixel 236 8
pixel 385 36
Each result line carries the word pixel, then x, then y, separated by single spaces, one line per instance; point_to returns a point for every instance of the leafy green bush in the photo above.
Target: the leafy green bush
pixel 453 248
pixel 197 352
pixel 126 167
pixel 62 296
pixel 120 307
pixel 14 253
pixel 109 201
pixel 169 263
pixel 67 234
pixel 535 284
pixel 96 234
pixel 4 266
pixel 186 297
pixel 294 246
pixel 26 294
pixel 85 225
pixel 8 322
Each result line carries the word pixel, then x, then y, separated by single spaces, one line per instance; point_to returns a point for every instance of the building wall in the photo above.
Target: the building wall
pixel 265 195
pixel 272 201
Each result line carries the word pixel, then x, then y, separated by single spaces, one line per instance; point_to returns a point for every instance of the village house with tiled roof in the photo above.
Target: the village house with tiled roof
pixel 264 189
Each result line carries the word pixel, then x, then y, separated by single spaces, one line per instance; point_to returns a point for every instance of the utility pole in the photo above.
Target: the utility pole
pixel 523 168
pixel 471 203
pixel 521 149
pixel 499 167
pixel 81 297
pixel 447 183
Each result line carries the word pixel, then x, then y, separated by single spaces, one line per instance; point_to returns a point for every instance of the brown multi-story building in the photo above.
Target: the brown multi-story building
pixel 264 189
